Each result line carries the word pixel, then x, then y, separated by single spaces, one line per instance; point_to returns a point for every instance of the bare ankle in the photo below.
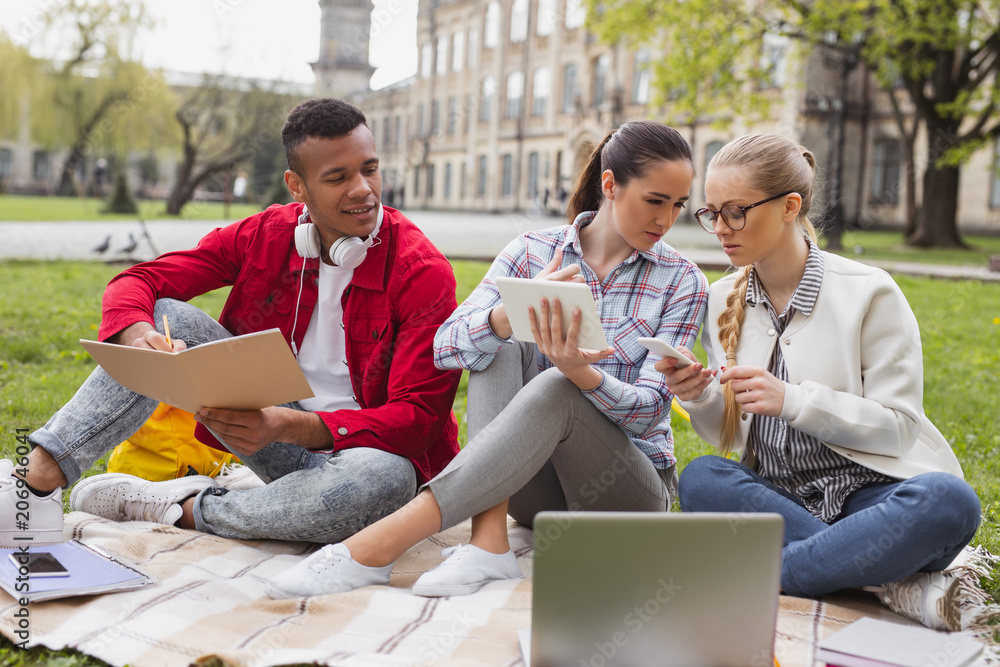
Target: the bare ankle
pixel 365 552
pixel 187 514
pixel 42 473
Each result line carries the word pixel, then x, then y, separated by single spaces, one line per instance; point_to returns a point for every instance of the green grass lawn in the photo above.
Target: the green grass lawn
pixel 47 307
pixel 861 245
pixel 22 208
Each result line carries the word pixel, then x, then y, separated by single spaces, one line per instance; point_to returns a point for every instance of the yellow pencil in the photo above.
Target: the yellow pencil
pixel 166 331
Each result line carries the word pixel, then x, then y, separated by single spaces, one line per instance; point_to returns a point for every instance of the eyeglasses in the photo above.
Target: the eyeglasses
pixel 734 215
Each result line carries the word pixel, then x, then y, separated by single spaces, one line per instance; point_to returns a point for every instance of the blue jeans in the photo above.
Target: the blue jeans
pixel 309 496
pixel 885 532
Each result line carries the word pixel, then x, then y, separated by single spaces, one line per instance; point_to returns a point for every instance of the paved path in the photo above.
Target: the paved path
pixel 458 234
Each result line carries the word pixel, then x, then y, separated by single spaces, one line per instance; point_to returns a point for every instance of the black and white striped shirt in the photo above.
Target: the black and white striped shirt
pixel 789 458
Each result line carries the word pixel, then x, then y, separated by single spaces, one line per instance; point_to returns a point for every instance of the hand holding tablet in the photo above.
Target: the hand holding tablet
pixel 665 350
pixel 518 294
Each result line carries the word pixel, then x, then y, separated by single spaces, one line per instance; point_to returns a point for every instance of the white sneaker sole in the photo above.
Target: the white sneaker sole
pixel 442 591
pixel 12 539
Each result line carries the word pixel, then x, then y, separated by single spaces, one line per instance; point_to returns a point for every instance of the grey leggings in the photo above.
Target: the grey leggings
pixel 536 439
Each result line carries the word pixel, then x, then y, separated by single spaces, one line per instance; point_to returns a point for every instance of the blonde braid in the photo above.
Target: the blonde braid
pixel 730 324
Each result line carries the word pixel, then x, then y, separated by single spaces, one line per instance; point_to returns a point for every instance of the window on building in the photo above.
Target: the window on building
pixel 506 175
pixel 430 181
pixel 481 181
pixel 486 97
pixel 6 163
pixel 601 66
pixel 399 134
pixel 576 13
pixel 515 93
pixel 473 47
pixel 40 165
pixel 425 60
pixel 640 77
pixel 519 21
pixel 711 149
pixel 388 135
pixel 995 183
pixel 533 176
pixel 421 119
pixel 436 117
pixel 467 114
pixel 547 17
pixel 540 86
pixel 442 55
pixel 773 59
pixel 461 180
pixel 447 180
pixel 491 31
pixel 416 181
pixel 452 114
pixel 458 51
pixel 569 87
pixel 885 172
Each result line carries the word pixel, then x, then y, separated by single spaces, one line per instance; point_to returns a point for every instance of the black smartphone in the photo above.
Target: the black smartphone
pixel 39 564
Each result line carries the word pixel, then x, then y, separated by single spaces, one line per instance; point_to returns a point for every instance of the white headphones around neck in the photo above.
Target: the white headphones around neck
pixel 347 251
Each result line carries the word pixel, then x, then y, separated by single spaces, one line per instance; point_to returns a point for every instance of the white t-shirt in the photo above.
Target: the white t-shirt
pixel 323 357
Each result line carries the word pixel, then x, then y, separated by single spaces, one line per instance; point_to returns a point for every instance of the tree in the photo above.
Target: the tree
pixel 19 74
pixel 224 123
pixel 944 53
pixel 101 95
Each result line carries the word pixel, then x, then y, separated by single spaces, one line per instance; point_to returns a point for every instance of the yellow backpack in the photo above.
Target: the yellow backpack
pixel 165 448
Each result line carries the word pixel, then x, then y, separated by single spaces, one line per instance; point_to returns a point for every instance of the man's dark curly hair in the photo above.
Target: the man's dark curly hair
pixel 323 117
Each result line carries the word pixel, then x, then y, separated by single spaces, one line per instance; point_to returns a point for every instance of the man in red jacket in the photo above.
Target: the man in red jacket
pixel 358 292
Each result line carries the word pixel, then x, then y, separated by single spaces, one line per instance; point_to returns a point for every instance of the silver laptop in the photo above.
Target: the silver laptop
pixel 663 589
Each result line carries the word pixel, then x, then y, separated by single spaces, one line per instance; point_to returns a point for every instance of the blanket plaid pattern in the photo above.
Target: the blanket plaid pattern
pixel 211 603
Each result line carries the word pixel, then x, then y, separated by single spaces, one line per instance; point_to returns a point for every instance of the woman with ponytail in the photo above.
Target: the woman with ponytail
pixel 815 375
pixel 552 426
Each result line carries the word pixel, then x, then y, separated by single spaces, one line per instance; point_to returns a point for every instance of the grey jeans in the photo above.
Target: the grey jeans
pixel 309 496
pixel 536 439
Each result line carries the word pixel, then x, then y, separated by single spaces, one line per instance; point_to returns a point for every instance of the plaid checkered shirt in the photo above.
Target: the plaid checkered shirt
pixel 657 293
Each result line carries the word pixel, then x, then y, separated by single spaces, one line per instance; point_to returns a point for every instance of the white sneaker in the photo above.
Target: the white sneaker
pixel 467 569
pixel 932 598
pixel 122 497
pixel 329 570
pixel 27 519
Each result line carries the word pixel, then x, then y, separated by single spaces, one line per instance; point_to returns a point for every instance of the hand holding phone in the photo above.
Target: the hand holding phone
pixel 665 350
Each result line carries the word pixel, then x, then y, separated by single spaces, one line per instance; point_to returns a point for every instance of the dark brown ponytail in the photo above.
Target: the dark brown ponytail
pixel 627 152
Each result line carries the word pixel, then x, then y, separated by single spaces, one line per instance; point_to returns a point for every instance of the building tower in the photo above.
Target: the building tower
pixel 342 68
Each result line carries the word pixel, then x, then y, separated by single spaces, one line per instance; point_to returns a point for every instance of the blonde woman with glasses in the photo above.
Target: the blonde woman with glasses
pixel 815 375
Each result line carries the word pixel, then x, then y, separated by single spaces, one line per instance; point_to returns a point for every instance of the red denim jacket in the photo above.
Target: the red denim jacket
pixel 394 304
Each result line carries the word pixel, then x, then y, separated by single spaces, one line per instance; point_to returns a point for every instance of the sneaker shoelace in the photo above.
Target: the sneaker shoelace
pixel 908 599
pixel 459 551
pixel 329 558
pixel 140 507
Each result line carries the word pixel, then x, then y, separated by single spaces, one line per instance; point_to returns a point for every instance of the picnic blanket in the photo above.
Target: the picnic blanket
pixel 211 603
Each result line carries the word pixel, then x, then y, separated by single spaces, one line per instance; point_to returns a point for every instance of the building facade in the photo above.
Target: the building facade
pixel 510 97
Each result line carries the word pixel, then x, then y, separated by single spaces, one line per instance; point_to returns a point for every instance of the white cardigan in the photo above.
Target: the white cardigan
pixel 855 371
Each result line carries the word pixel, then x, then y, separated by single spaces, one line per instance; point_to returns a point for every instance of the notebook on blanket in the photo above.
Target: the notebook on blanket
pixel 671 589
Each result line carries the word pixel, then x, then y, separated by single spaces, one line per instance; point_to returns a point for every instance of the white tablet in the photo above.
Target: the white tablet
pixel 518 294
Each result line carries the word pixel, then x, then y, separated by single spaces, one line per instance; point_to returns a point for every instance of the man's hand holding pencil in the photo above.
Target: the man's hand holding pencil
pixel 145 335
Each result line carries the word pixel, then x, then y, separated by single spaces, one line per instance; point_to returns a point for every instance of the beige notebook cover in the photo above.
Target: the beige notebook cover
pixel 241 373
